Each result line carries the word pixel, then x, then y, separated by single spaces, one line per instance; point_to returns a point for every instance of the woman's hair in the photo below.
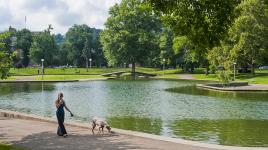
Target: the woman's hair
pixel 59 96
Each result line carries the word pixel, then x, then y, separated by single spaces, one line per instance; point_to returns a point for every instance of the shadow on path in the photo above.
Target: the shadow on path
pixel 50 141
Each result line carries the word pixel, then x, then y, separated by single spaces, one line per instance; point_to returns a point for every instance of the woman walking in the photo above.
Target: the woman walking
pixel 60 104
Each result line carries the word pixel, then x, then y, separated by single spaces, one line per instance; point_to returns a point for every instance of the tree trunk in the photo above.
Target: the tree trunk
pixel 133 69
pixel 207 70
pixel 252 69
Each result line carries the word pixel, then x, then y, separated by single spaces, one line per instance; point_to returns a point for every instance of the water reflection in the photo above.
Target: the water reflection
pixel 137 124
pixel 8 88
pixel 193 90
pixel 224 132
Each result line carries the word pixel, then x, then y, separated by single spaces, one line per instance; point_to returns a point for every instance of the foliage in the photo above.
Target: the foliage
pixel 248 34
pixel 131 33
pixel 82 43
pixel 246 43
pixel 24 42
pixel 5 56
pixel 166 47
pixel 203 22
pixel 44 47
pixel 59 38
pixel 224 76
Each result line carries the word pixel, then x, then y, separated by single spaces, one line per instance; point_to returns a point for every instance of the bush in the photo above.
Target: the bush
pixel 224 76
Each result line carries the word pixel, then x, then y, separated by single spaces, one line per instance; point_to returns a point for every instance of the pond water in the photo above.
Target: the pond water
pixel 168 108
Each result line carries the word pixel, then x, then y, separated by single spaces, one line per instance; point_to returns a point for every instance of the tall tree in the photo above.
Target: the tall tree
pixel 248 34
pixel 130 34
pixel 59 38
pixel 5 55
pixel 24 42
pixel 86 52
pixel 203 22
pixel 76 38
pixel 246 43
pixel 44 47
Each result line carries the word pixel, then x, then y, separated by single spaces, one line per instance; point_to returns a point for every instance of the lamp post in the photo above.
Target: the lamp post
pixel 90 62
pixel 234 63
pixel 164 61
pixel 42 60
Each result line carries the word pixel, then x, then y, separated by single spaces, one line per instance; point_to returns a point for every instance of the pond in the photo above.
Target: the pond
pixel 168 108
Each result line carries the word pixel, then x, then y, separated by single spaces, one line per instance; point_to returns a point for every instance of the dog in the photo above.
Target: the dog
pixel 101 123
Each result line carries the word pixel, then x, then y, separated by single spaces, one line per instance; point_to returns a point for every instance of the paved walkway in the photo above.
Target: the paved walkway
pixel 36 135
pixel 186 76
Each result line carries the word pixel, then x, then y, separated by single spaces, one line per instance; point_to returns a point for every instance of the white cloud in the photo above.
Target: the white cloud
pixel 62 14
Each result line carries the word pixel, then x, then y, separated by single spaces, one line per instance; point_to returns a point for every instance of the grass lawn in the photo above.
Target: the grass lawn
pixel 168 76
pixel 211 77
pixel 8 147
pixel 260 77
pixel 83 71
pixel 69 77
pixel 66 71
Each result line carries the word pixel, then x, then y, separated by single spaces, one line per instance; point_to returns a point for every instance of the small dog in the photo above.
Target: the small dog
pixel 101 123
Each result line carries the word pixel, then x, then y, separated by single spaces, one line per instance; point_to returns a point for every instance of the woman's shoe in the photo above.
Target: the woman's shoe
pixel 65 135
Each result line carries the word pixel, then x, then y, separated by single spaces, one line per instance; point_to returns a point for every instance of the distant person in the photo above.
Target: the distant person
pixel 38 71
pixel 60 104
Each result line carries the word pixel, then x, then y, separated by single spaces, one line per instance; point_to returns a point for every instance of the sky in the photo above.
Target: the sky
pixel 61 14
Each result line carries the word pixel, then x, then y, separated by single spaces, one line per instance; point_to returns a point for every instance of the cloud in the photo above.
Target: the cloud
pixel 62 14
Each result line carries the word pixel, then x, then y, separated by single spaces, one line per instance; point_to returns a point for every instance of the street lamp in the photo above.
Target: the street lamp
pixel 234 63
pixel 42 60
pixel 90 62
pixel 164 60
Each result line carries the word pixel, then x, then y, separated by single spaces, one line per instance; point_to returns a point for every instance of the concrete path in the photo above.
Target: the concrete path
pixel 186 76
pixel 36 135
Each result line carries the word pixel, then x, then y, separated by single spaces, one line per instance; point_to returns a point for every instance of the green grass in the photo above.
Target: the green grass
pixel 261 76
pixel 69 77
pixel 168 76
pixel 158 71
pixel 258 78
pixel 10 78
pixel 83 71
pixel 211 77
pixel 67 71
pixel 8 147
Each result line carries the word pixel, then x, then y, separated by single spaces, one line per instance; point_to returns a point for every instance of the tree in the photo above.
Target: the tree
pixel 75 39
pixel 24 42
pixel 130 34
pixel 59 39
pixel 246 43
pixel 248 34
pixel 44 47
pixel 5 55
pixel 166 47
pixel 204 22
pixel 86 52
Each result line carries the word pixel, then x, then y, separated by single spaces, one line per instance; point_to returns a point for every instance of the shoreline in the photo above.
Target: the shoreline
pixel 24 116
pixel 250 87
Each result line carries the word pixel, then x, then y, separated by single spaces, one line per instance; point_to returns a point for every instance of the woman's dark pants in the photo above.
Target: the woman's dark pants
pixel 61 129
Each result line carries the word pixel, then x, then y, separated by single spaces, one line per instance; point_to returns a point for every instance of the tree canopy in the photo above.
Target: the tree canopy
pixel 44 47
pixel 5 55
pixel 131 33
pixel 24 42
